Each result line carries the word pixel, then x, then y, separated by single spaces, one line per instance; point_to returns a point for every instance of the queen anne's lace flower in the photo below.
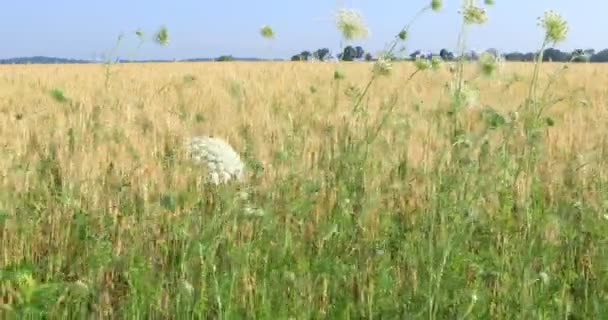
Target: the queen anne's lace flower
pixel 351 25
pixel 223 163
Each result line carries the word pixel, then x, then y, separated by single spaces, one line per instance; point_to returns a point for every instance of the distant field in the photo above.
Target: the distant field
pixel 100 206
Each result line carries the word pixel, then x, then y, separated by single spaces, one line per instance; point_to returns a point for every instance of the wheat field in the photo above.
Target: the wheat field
pixel 103 215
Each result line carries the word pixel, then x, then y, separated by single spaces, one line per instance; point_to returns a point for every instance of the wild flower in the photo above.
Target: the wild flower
pixel 436 62
pixel 267 32
pixel 223 162
pixel 403 35
pixel 382 66
pixel 556 27
pixel 162 36
pixel 489 63
pixel 436 5
pixel 351 24
pixel 339 74
pixel 422 64
pixel 466 96
pixel 474 15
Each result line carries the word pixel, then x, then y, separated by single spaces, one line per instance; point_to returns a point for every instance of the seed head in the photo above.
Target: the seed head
pixel 223 163
pixel 382 66
pixel 474 15
pixel 267 32
pixel 162 36
pixel 467 96
pixel 489 64
pixel 339 74
pixel 436 5
pixel 556 27
pixel 422 64
pixel 436 62
pixel 403 35
pixel 350 23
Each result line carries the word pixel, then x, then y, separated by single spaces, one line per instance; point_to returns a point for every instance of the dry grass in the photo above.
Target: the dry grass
pixel 146 103
pixel 108 140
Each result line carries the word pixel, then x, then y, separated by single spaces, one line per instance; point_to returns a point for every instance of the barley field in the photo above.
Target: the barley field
pixel 392 206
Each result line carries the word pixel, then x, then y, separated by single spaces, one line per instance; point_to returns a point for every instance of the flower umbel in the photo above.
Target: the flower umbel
pixel 436 5
pixel 422 64
pixel 162 36
pixel 556 27
pixel 489 64
pixel 436 62
pixel 223 163
pixel 383 66
pixel 474 15
pixel 351 24
pixel 267 32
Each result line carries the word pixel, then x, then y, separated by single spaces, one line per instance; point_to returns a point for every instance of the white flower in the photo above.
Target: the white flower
pixel 223 163
pixel 383 66
pixel 351 25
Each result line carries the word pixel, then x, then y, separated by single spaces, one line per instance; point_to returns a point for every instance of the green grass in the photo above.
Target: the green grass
pixel 327 246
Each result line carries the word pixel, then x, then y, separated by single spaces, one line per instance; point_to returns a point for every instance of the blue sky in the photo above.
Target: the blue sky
pixel 203 28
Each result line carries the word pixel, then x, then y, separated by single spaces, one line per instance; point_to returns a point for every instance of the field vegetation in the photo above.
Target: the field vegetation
pixel 477 190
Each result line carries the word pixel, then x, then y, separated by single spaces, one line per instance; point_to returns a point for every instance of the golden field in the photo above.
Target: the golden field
pixel 146 104
pixel 96 194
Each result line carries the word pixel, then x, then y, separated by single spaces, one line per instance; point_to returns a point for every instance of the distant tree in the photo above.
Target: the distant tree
pixel 514 56
pixel 471 55
pixel 552 54
pixel 305 55
pixel 446 55
pixel 530 56
pixel 302 56
pixel 349 54
pixel 578 55
pixel 493 51
pixel 369 57
pixel 415 54
pixel 359 52
pixel 321 54
pixel 225 58
pixel 601 56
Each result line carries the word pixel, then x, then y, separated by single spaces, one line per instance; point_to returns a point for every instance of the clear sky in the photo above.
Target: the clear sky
pixel 203 28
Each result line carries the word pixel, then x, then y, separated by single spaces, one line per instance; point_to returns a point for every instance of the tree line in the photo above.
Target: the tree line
pixel 355 53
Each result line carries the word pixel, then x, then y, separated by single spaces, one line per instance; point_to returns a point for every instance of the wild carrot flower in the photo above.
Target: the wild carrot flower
pixel 489 63
pixel 223 163
pixel 474 15
pixel 382 66
pixel 162 36
pixel 556 28
pixel 403 35
pixel 267 32
pixel 422 64
pixel 339 74
pixel 351 24
pixel 466 96
pixel 436 62
pixel 436 5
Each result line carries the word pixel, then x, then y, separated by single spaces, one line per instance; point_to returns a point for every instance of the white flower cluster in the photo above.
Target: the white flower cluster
pixel 350 23
pixel 222 161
